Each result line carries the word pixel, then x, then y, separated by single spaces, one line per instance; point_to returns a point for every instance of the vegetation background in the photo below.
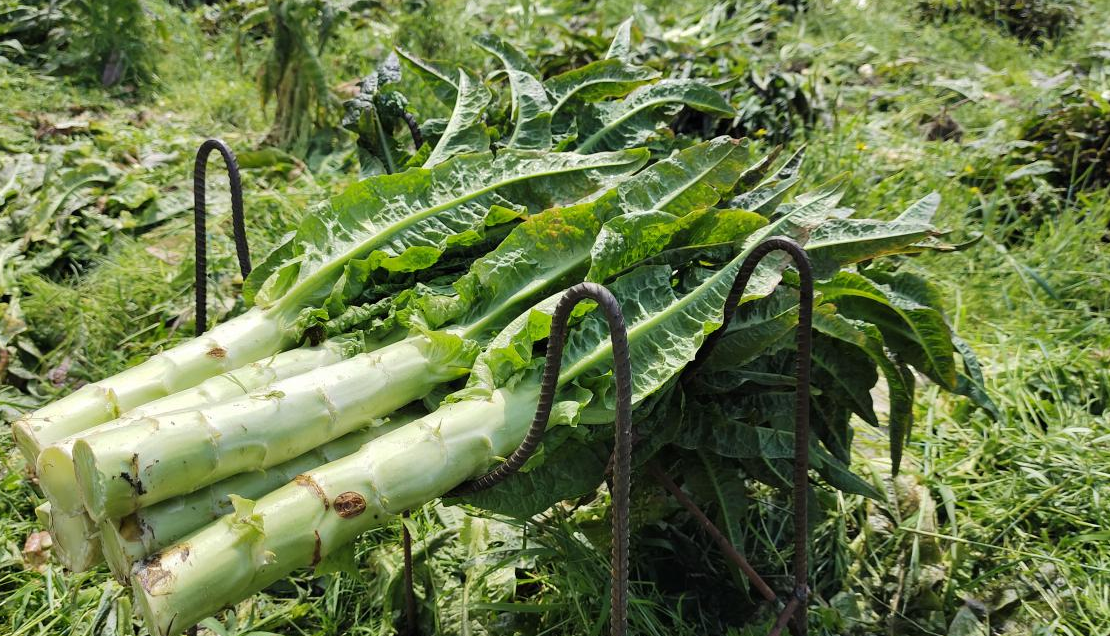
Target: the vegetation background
pixel 996 524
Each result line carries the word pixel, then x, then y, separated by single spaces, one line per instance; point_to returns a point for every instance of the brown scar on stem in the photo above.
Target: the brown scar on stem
pixel 152 573
pixel 217 352
pixel 133 477
pixel 316 549
pixel 349 504
pixel 310 483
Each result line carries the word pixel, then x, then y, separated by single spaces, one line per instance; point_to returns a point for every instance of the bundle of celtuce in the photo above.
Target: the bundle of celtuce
pixel 301 449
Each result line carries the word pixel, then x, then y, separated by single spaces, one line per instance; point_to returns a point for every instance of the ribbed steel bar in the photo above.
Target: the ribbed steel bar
pixel 200 228
pixel 200 209
pixel 711 529
pixel 622 467
pixel 797 605
pixel 410 595
pixel 406 536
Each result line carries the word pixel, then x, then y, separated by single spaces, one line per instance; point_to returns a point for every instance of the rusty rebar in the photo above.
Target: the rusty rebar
pixel 200 208
pixel 622 482
pixel 410 595
pixel 711 529
pixel 804 339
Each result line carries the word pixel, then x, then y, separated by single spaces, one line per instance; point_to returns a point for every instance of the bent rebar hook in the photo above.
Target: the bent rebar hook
pixel 200 208
pixel 796 607
pixel 622 465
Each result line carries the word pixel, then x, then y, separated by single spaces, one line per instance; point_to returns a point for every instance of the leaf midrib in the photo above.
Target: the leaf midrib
pixel 606 346
pixel 593 139
pixel 290 298
pixel 525 291
pixel 901 313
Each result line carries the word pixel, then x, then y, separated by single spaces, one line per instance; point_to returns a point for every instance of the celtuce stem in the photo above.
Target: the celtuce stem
pixel 247 338
pixel 55 462
pixel 74 536
pixel 124 469
pixel 128 540
pixel 302 522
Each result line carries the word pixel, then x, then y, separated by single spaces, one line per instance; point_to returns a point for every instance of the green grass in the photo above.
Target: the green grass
pixel 993 527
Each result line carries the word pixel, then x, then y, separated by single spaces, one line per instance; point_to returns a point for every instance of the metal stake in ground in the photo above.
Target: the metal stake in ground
pixel 797 605
pixel 200 208
pixel 622 466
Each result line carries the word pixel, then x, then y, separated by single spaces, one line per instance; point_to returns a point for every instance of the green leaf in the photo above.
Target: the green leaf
pixel 550 250
pixel 441 82
pixel 665 329
pixel 972 384
pixel 402 222
pixel 757 327
pixel 596 81
pixel 842 242
pixel 547 252
pixel 634 237
pixel 767 453
pixel 571 470
pixel 713 480
pixel 376 116
pixel 763 199
pixel 466 130
pixel 1035 169
pixel 837 366
pixel 915 331
pixel 765 196
pixel 900 384
pixel 790 169
pixel 630 122
pixel 531 108
pixel 621 47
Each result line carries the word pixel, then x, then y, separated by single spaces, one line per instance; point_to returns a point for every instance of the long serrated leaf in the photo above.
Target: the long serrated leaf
pixel 621 46
pixel 596 81
pixel 633 237
pixel 631 121
pixel 765 452
pixel 918 332
pixel 849 379
pixel 757 327
pixel 554 247
pixel 665 329
pixel 531 107
pixel 869 339
pixel 842 242
pixel 465 131
pixel 441 82
pixel 404 221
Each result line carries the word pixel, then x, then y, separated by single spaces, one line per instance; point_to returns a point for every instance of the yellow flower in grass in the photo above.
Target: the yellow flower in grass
pixel 860 146
pixel 968 169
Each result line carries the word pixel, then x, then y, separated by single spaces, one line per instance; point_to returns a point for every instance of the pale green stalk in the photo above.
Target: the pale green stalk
pixel 56 474
pixel 128 540
pixel 230 345
pixel 300 523
pixel 55 462
pixel 155 458
pixel 75 537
